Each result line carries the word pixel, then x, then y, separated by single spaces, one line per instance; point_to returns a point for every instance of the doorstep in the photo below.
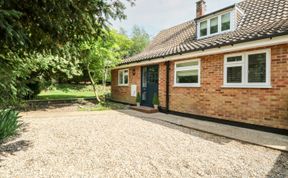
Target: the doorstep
pixel 266 139
pixel 144 109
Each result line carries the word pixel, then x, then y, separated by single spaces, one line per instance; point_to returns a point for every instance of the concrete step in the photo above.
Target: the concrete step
pixel 144 109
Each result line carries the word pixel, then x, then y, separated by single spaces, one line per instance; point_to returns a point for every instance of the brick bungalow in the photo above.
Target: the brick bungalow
pixel 229 66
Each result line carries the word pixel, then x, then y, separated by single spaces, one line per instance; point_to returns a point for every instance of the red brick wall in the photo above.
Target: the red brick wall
pixel 268 107
pixel 123 93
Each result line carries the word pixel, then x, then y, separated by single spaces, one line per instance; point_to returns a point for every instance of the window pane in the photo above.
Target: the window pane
pixel 120 77
pixel 234 59
pixel 257 68
pixel 144 77
pixel 187 64
pixel 143 98
pixel 225 22
pixel 234 74
pixel 214 25
pixel 126 79
pixel 203 28
pixel 189 76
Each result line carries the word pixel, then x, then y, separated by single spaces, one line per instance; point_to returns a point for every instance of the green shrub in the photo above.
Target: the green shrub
pixel 9 123
pixel 155 100
pixel 35 89
pixel 138 98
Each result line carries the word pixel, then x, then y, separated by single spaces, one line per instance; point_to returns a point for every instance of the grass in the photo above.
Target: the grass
pixel 70 91
pixel 105 106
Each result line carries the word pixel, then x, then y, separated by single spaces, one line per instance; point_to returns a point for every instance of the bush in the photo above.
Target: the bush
pixel 138 98
pixel 155 100
pixel 9 123
pixel 35 89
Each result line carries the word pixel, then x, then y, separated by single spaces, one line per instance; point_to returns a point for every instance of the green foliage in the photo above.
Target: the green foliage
pixel 140 39
pixel 9 123
pixel 155 100
pixel 103 54
pixel 41 25
pixel 39 40
pixel 138 98
pixel 34 88
pixel 99 56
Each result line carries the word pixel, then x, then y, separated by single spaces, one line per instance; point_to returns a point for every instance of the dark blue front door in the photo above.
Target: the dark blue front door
pixel 149 84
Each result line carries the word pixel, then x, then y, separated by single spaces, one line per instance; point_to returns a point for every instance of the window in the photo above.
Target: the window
pixel 225 22
pixel 187 73
pixel 123 77
pixel 257 68
pixel 215 25
pixel 203 28
pixel 251 69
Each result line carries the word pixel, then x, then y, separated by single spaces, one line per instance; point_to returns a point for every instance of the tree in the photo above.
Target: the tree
pixel 40 39
pixel 103 54
pixel 140 40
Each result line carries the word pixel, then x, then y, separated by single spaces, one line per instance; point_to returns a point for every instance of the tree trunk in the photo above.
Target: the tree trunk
pixel 104 82
pixel 93 84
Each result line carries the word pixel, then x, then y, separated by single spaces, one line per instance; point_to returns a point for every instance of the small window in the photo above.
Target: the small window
pixel 214 25
pixel 225 22
pixel 234 59
pixel 203 28
pixel 233 69
pixel 123 77
pixel 251 69
pixel 187 73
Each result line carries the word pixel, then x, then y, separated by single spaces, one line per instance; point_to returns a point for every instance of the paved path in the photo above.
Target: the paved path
pixel 120 144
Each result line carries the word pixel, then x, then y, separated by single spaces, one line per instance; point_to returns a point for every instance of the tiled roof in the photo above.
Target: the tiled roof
pixel 262 19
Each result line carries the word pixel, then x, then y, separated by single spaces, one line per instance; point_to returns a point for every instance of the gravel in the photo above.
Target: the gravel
pixel 117 144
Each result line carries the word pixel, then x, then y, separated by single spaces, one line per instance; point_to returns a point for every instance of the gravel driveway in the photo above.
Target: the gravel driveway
pixel 118 144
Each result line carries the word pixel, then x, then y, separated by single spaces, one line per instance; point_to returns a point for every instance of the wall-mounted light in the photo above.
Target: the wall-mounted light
pixel 133 71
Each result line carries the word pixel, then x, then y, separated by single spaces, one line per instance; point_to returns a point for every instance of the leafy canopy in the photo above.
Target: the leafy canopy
pixel 40 39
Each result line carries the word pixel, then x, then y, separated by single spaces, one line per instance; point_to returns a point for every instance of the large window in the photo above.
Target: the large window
pixel 123 77
pixel 251 69
pixel 187 73
pixel 216 25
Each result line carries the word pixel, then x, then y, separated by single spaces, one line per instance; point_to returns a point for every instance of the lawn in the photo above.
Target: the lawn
pixel 70 91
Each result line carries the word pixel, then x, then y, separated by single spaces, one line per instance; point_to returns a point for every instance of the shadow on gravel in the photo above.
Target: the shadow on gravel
pixel 11 146
pixel 280 168
pixel 200 134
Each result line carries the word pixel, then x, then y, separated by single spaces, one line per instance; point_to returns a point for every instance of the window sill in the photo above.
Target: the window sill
pixel 246 86
pixel 123 85
pixel 187 86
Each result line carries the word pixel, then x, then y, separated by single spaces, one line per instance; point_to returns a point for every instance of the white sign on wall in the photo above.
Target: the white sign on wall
pixel 134 90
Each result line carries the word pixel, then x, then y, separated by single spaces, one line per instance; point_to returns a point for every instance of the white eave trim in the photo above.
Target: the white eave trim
pixel 225 49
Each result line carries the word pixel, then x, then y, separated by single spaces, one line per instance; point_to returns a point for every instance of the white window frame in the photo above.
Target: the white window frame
pixel 177 69
pixel 208 19
pixel 244 63
pixel 123 70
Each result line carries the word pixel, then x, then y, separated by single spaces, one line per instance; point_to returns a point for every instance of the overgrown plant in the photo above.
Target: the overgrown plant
pixel 9 123
pixel 155 100
pixel 138 98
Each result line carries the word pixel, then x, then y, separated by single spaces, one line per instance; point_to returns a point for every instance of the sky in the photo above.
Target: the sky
pixel 157 15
